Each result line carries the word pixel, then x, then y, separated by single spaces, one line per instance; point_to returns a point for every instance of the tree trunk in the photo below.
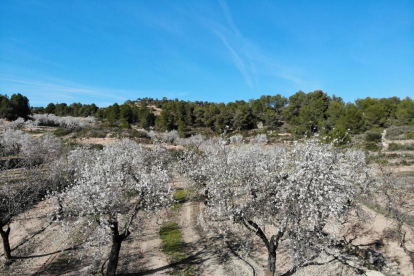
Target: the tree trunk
pixel 6 243
pixel 271 260
pixel 117 240
pixel 114 254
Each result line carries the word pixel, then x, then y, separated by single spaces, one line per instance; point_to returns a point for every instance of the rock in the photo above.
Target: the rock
pixel 392 264
pixel 373 273
pixel 376 258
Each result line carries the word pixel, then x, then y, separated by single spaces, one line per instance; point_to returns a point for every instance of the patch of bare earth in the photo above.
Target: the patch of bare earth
pixel 206 255
pixel 40 249
pixel 376 230
pixel 34 242
pixel 98 141
pixel 141 253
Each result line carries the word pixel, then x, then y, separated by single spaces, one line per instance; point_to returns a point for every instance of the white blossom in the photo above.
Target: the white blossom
pixel 294 191
pixel 66 122
pixel 115 190
pixel 236 139
pixel 259 139
pixel 18 123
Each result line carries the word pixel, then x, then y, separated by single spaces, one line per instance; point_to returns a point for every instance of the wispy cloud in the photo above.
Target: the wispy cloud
pixel 228 16
pixel 237 60
pixel 44 92
pixel 251 60
pixel 62 90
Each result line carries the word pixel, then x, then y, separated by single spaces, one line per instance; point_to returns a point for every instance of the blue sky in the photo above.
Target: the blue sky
pixel 221 51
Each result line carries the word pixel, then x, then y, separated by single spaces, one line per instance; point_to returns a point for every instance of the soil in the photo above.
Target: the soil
pixel 375 230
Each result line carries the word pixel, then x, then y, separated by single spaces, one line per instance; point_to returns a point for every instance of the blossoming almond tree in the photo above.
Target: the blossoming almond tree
pixel 236 139
pixel 279 193
pixel 115 189
pixel 396 197
pixel 40 169
pixel 75 123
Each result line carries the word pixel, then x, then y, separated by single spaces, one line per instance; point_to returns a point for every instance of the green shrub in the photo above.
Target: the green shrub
pixel 373 137
pixel 400 132
pixel 393 147
pixel 139 134
pixel 62 131
pixel 180 195
pixel 125 124
pixel 339 136
pixel 97 134
pixel 96 146
pixel 274 134
pixel 372 146
pixel 73 145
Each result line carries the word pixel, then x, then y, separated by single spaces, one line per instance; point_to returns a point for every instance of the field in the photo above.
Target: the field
pixel 178 242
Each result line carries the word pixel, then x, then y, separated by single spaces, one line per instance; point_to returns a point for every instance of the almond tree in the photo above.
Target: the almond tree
pixel 18 123
pixel 115 189
pixel 236 139
pixel 396 198
pixel 194 141
pixel 259 139
pixel 40 170
pixel 279 193
pixel 14 199
pixel 66 122
pixel 11 141
pixel 170 137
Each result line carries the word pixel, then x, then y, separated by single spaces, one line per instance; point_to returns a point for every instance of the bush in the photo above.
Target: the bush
pixel 139 134
pixel 400 132
pixel 125 124
pixel 97 134
pixel 62 131
pixel 180 195
pixel 96 146
pixel 372 146
pixel 338 136
pixel 373 137
pixel 393 147
pixel 274 134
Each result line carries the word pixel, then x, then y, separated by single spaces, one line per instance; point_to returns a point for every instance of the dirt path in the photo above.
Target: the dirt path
pixel 384 141
pixel 141 253
pixel 207 256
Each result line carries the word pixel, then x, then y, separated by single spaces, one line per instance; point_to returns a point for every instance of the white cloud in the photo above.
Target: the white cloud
pixel 237 60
